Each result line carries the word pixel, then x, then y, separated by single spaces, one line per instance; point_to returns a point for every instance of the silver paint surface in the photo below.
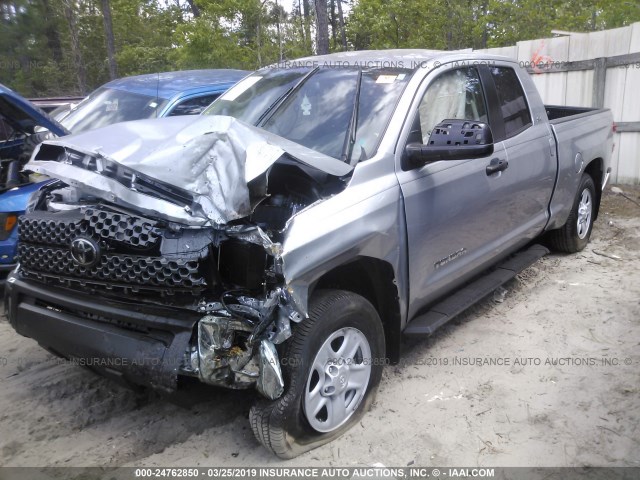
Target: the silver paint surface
pixel 213 157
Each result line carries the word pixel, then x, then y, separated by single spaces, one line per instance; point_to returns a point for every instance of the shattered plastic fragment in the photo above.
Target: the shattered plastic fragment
pixel 254 234
pixel 270 382
pixel 213 335
pixel 282 328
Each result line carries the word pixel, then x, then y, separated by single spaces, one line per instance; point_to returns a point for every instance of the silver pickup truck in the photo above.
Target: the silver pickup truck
pixel 286 239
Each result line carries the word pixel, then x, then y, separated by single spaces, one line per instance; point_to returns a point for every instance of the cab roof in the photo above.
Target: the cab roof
pixel 393 58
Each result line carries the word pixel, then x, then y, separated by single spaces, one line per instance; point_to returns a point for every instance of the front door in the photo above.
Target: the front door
pixel 458 214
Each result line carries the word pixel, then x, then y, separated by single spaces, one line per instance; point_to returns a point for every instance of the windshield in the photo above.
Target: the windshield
pixel 106 106
pixel 62 111
pixel 325 109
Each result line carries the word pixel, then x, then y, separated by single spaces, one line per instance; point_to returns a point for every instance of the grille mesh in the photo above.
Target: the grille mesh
pixel 46 228
pixel 153 271
pixel 48 231
pixel 121 227
pixel 129 260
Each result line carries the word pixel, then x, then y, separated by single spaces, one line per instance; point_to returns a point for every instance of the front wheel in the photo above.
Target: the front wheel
pixel 574 235
pixel 332 366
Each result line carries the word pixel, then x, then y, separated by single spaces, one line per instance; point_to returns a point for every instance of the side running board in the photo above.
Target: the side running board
pixel 459 301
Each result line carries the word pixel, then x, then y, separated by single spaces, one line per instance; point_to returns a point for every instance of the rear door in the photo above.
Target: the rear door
pixel 460 218
pixel 530 147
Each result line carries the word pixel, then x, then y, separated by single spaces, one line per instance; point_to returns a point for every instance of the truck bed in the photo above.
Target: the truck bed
pixel 560 113
pixel 582 135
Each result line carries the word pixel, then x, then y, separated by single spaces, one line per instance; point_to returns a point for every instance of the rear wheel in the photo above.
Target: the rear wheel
pixel 574 235
pixel 332 366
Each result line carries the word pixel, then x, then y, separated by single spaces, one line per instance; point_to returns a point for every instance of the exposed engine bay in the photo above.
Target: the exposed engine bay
pixel 10 174
pixel 77 236
pixel 13 157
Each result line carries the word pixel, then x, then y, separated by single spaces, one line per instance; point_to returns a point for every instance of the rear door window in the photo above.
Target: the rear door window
pixel 513 104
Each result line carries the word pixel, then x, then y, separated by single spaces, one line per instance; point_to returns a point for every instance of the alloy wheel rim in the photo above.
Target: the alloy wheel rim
pixel 585 208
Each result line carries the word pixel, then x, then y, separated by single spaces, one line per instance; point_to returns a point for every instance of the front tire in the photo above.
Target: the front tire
pixel 332 366
pixel 574 235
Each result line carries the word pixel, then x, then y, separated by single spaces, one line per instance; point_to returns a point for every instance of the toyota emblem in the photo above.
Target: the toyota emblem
pixel 85 251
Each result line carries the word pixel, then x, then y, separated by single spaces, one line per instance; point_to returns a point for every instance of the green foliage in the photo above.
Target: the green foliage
pixel 37 56
pixel 203 43
pixel 448 24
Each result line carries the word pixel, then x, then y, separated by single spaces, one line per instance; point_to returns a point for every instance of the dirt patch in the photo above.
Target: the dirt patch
pixel 544 373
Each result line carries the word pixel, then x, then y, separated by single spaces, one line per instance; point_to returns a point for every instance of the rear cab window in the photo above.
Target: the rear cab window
pixel 512 102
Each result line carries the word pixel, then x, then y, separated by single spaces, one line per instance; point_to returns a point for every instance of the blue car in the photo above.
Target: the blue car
pixel 18 121
pixel 148 96
pixel 23 125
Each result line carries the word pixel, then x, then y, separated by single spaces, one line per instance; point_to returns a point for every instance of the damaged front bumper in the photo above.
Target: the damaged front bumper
pixel 217 362
pixel 235 344
pixel 147 345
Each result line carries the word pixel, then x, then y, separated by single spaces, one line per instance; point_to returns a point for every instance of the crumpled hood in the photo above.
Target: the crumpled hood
pixel 213 158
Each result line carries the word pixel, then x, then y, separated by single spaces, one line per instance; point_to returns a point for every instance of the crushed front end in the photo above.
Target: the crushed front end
pixel 133 292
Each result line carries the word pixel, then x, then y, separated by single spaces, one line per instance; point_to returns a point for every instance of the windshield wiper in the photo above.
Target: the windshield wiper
pixel 268 113
pixel 350 137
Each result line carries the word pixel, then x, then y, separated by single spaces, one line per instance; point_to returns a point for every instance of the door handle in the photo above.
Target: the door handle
pixel 497 165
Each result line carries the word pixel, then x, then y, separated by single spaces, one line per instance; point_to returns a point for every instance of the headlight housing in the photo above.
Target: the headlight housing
pixel 8 222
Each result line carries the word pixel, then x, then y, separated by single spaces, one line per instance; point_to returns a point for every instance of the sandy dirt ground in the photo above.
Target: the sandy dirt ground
pixel 564 390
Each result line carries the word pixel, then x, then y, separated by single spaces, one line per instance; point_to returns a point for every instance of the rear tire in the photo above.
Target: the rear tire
pixel 574 235
pixel 329 381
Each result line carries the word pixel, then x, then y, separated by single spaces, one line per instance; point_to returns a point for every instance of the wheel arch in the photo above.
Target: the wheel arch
pixel 374 280
pixel 595 169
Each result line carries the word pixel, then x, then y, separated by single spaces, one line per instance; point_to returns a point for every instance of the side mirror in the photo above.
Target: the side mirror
pixel 452 140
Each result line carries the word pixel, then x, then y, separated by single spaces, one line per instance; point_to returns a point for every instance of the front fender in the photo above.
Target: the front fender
pixel 364 220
